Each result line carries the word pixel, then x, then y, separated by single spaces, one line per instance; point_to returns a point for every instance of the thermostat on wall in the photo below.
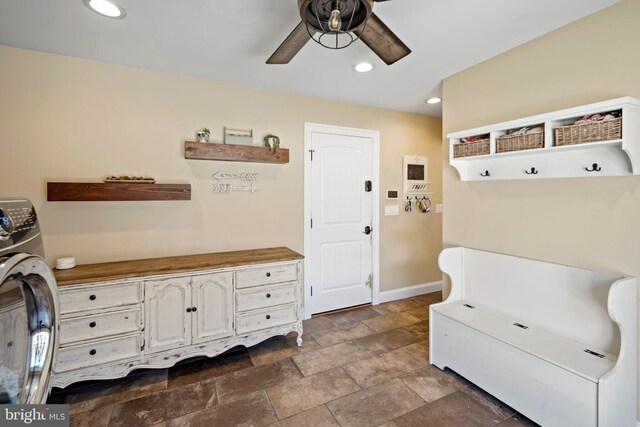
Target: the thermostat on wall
pixel 393 194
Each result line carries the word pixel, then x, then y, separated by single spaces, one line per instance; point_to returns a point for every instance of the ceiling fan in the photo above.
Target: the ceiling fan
pixel 335 24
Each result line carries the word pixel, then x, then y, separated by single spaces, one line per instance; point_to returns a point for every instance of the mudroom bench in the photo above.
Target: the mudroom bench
pixel 556 343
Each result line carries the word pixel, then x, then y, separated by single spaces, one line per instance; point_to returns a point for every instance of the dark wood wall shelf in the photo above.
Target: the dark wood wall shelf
pixel 103 192
pixel 234 153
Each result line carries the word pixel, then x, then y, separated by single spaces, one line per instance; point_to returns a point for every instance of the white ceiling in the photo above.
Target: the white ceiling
pixel 230 40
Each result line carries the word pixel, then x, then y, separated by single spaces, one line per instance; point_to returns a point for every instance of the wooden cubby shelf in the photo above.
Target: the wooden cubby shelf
pixel 234 153
pixel 109 192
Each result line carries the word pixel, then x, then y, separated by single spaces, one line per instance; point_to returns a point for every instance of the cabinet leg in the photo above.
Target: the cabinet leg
pixel 299 340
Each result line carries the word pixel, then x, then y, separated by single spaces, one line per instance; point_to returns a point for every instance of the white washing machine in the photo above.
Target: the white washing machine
pixel 28 307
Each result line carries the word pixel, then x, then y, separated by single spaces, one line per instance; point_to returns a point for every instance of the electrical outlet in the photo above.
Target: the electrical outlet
pixel 439 208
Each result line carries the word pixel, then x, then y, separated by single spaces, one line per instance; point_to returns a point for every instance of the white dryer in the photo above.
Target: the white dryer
pixel 28 307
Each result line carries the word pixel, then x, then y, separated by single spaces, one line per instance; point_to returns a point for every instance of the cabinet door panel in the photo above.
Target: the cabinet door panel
pixel 168 324
pixel 213 299
pixel 5 339
pixel 19 338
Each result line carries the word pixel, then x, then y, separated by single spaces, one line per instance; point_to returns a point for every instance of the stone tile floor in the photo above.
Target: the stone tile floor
pixel 362 367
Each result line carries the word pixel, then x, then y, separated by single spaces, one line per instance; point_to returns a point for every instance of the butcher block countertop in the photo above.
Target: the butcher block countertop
pixel 155 266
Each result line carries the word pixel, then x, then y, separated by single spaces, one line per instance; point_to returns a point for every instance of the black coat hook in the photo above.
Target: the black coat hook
pixel 533 172
pixel 485 174
pixel 594 168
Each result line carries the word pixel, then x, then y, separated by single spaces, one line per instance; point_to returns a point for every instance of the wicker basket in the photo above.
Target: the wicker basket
pixel 527 141
pixel 468 149
pixel 605 130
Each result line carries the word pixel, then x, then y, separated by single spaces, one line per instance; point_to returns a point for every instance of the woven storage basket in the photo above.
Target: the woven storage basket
pixel 527 141
pixel 468 149
pixel 605 130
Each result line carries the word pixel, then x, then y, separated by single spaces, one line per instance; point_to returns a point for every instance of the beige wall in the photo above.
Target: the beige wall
pixel 591 223
pixel 63 118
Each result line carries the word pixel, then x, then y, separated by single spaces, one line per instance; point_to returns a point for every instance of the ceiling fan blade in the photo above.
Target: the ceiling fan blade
pixel 382 41
pixel 291 45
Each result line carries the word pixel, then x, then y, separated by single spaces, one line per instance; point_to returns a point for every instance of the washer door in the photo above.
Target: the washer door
pixel 28 328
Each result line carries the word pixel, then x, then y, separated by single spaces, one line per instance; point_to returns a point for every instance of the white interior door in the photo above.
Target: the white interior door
pixel 341 255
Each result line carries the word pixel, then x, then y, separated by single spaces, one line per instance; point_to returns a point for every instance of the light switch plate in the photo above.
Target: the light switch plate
pixel 439 208
pixel 391 210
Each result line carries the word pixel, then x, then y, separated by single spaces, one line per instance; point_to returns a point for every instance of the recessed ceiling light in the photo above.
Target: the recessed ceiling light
pixel 434 100
pixel 105 8
pixel 363 67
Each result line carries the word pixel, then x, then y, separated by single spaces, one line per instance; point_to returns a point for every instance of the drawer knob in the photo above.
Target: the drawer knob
pixel 92 352
pixel 92 324
pixel 268 274
pixel 92 297
pixel 194 309
pixel 189 310
pixel 268 295
pixel 268 316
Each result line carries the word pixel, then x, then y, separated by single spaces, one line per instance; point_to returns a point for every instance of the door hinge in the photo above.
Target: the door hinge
pixel 312 151
pixel 368 186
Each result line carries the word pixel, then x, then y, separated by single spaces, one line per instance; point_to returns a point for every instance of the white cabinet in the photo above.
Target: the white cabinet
pixel 615 156
pixel 13 337
pixel 188 310
pixel 19 334
pixel 212 295
pixel 134 321
pixel 168 324
pixel 5 339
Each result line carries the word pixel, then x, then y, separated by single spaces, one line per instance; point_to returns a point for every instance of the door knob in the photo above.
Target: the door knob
pixel 367 230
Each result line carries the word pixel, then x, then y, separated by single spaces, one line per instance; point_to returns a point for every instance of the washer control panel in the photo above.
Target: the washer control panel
pixel 18 222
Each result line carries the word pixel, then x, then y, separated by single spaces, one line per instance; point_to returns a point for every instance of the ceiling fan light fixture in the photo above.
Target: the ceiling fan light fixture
pixel 363 67
pixel 105 8
pixel 335 21
pixel 433 100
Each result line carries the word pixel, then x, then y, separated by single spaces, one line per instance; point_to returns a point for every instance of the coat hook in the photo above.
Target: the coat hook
pixel 533 172
pixel 486 173
pixel 594 168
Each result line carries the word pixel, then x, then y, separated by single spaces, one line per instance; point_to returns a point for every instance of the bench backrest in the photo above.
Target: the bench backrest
pixel 566 301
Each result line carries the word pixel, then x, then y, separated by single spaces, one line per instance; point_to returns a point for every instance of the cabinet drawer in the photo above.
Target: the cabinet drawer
pixel 100 325
pixel 104 296
pixel 265 296
pixel 266 275
pixel 263 319
pixel 96 353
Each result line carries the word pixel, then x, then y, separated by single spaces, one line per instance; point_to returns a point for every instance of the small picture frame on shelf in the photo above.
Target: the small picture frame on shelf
pixel 238 136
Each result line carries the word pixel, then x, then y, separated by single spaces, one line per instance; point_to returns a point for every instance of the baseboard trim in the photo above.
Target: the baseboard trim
pixel 411 291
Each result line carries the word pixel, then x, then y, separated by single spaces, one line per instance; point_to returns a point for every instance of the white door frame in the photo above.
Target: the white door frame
pixel 310 128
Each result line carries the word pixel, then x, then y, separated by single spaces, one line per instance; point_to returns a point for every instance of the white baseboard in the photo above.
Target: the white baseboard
pixel 638 423
pixel 410 291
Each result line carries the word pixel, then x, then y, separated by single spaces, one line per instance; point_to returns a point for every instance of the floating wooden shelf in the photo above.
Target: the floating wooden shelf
pixel 103 192
pixel 234 153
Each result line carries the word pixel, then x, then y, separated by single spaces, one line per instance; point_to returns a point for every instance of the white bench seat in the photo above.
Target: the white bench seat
pixel 519 328
pixel 549 347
